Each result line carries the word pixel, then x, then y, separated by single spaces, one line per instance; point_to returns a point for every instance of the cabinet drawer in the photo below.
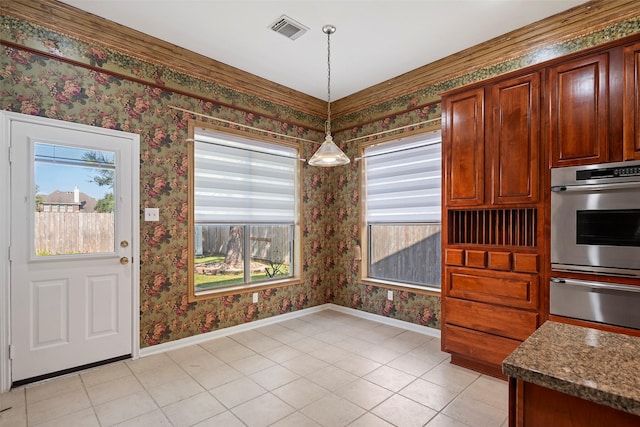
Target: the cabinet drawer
pixel 454 256
pixel 526 263
pixel 500 260
pixel 481 346
pixel 476 258
pixel 499 287
pixel 504 321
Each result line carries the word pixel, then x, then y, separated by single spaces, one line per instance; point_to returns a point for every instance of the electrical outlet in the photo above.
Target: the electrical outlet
pixel 152 214
pixel 255 297
pixel 390 295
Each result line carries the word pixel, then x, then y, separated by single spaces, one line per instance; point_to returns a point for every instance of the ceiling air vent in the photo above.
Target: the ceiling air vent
pixel 288 27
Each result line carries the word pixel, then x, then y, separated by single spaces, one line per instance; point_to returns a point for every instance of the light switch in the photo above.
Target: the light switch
pixel 152 214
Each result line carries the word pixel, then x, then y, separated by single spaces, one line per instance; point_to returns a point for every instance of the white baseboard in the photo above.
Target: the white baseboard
pixel 197 339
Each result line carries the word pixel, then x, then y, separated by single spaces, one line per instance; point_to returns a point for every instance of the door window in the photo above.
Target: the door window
pixel 74 200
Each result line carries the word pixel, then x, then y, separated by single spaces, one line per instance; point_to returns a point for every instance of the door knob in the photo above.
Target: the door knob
pixel 124 260
pixel 124 244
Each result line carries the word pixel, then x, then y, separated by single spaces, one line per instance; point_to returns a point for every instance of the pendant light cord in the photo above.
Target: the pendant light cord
pixel 328 124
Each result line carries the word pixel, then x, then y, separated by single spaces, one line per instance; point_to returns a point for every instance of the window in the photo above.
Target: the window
pixel 245 213
pixel 402 191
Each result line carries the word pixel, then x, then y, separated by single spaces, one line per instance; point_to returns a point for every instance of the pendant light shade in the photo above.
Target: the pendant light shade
pixel 329 154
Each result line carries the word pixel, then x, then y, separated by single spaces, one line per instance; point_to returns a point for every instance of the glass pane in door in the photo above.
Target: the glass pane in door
pixel 74 200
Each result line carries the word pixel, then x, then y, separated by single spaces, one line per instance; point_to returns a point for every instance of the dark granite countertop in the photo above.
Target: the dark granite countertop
pixel 602 367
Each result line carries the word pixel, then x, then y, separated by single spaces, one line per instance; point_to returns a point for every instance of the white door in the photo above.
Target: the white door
pixel 71 268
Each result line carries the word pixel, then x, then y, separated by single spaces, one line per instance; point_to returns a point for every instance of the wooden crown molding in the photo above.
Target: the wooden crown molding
pixel 87 27
pixel 576 22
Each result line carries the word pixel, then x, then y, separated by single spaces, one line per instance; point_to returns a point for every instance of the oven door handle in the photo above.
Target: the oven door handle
pixel 595 187
pixel 596 285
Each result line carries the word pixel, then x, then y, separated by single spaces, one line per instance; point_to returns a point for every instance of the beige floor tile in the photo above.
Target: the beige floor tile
pixel 236 392
pixel 106 373
pixel 83 418
pixel 151 419
pixel 57 406
pixel 281 353
pixel 256 341
pixel 252 364
pixel 390 378
pixel 125 408
pixel 14 407
pixel 225 419
pixel 193 410
pixel 492 391
pixel 210 378
pixel 297 419
pixel 274 377
pixel 379 354
pixel 287 336
pixel 370 420
pixel 168 373
pixel 53 387
pixel 357 365
pixel 327 368
pixel 271 330
pixel 304 364
pixel 154 362
pixel 331 354
pixel 262 411
pixel 106 391
pixel 331 377
pixel 232 352
pixel 413 365
pixel 475 413
pixel 301 392
pixel 442 420
pixel 333 411
pixel 451 376
pixel 14 398
pixel 400 411
pixel 428 394
pixel 354 345
pixel 364 393
pixel 167 393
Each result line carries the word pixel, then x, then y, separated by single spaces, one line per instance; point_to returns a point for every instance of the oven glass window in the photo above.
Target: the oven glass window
pixel 608 227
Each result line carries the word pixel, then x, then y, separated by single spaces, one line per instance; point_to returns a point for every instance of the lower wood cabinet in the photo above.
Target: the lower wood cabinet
pixel 487 313
pixel 532 405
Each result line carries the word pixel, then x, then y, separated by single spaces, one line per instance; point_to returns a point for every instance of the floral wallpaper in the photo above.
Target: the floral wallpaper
pixel 49 74
pixel 38 84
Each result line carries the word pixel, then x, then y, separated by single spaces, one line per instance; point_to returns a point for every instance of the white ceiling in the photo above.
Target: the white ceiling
pixel 374 41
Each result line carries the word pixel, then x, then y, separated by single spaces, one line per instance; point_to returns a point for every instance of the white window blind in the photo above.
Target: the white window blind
pixel 404 181
pixel 243 181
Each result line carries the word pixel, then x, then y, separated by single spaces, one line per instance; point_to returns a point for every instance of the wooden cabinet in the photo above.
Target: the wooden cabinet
pixel 514 140
pixel 509 172
pixel 463 135
pixel 492 167
pixel 578 92
pixel 631 103
pixel 534 405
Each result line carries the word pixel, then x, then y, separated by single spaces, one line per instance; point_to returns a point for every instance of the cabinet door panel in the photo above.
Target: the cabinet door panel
pixel 515 142
pixel 579 111
pixel 463 131
pixel 631 100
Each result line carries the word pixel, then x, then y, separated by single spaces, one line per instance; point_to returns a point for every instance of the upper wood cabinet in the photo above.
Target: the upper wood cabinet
pixel 579 111
pixel 514 140
pixel 463 147
pixel 508 172
pixel 631 103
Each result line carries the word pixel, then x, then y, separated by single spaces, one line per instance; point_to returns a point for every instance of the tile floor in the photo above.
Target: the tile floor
pixel 322 369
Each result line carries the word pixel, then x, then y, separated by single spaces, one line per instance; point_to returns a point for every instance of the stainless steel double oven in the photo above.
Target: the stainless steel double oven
pixel 595 229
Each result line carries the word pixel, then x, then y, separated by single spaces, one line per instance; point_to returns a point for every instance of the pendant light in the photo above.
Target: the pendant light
pixel 329 154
